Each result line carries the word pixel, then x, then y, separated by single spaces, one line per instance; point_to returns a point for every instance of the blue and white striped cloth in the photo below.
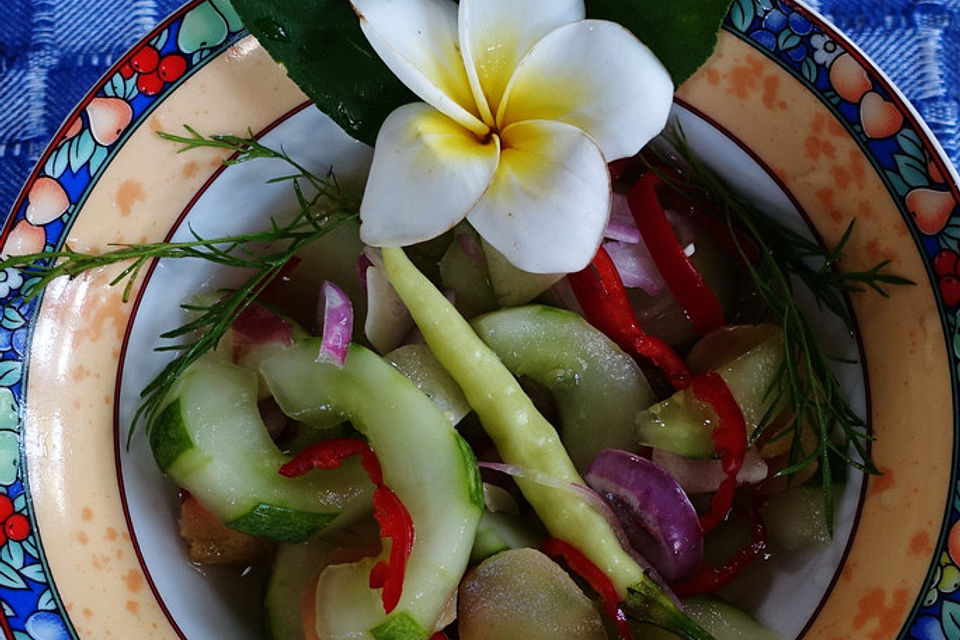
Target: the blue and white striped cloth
pixel 53 51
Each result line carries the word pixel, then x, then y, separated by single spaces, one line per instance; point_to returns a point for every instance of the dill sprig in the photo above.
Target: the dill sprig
pixel 778 259
pixel 322 207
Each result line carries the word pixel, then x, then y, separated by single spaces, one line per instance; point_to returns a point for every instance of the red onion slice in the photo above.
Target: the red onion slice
pixel 706 476
pixel 337 318
pixel 635 266
pixel 363 263
pixel 256 326
pixel 656 514
pixel 621 225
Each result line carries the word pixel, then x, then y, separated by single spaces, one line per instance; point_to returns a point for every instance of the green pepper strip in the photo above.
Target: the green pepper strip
pixel 525 438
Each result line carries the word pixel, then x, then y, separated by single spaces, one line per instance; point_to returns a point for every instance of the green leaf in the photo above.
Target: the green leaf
pixel 46 601
pixel 12 319
pixel 682 33
pixel 57 163
pixel 910 143
pixel 115 88
pixel 10 371
pixel 12 554
pixel 950 619
pixel 899 186
pixel 809 70
pixel 10 578
pixel 913 172
pixel 323 50
pixel 35 572
pixel 742 13
pixel 96 159
pixel 31 548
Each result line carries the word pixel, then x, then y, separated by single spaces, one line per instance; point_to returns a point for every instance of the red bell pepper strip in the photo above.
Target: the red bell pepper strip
pixel 694 296
pixel 601 294
pixel 708 579
pixel 394 519
pixel 730 441
pixel 595 577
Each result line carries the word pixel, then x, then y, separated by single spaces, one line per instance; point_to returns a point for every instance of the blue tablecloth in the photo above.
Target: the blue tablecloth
pixel 53 51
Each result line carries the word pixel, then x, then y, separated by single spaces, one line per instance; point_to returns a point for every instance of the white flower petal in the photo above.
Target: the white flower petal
pixel 427 173
pixel 597 76
pixel 418 41
pixel 495 35
pixel 549 201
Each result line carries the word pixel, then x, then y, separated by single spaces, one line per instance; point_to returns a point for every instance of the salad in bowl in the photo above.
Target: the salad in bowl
pixel 561 352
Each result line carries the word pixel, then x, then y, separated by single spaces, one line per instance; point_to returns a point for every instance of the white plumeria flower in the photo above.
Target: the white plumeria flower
pixel 525 103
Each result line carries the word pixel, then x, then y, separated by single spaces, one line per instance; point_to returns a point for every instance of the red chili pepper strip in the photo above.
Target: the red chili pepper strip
pixel 439 635
pixel 693 295
pixel 601 294
pixel 396 524
pixel 394 519
pixel 708 579
pixel 597 579
pixel 730 441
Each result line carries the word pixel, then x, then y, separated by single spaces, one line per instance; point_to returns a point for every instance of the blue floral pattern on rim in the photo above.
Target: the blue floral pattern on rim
pixel 29 606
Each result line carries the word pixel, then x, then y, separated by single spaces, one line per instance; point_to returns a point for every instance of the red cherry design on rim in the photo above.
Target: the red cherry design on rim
pixel 149 84
pixel 172 67
pixel 145 60
pixel 950 290
pixel 17 527
pixel 126 71
pixel 945 262
pixel 6 507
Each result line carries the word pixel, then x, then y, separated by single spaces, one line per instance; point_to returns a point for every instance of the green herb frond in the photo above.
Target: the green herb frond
pixel 778 258
pixel 322 207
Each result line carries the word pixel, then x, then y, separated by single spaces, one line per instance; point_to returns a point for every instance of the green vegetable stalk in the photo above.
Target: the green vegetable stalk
pixel 525 438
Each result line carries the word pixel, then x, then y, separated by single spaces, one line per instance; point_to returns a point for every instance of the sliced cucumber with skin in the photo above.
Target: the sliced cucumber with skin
pixel 597 387
pixel 425 462
pixel 682 424
pixel 209 438
pixel 294 572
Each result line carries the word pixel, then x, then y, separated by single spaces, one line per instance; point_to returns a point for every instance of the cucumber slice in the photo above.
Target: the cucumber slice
pixel 597 387
pixel 499 531
pixel 418 363
pixel 795 518
pixel 296 568
pixel 465 273
pixel 511 286
pixel 682 424
pixel 210 440
pixel 502 527
pixel 425 462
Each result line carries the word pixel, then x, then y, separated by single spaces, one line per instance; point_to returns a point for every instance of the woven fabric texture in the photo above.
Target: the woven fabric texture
pixel 53 51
